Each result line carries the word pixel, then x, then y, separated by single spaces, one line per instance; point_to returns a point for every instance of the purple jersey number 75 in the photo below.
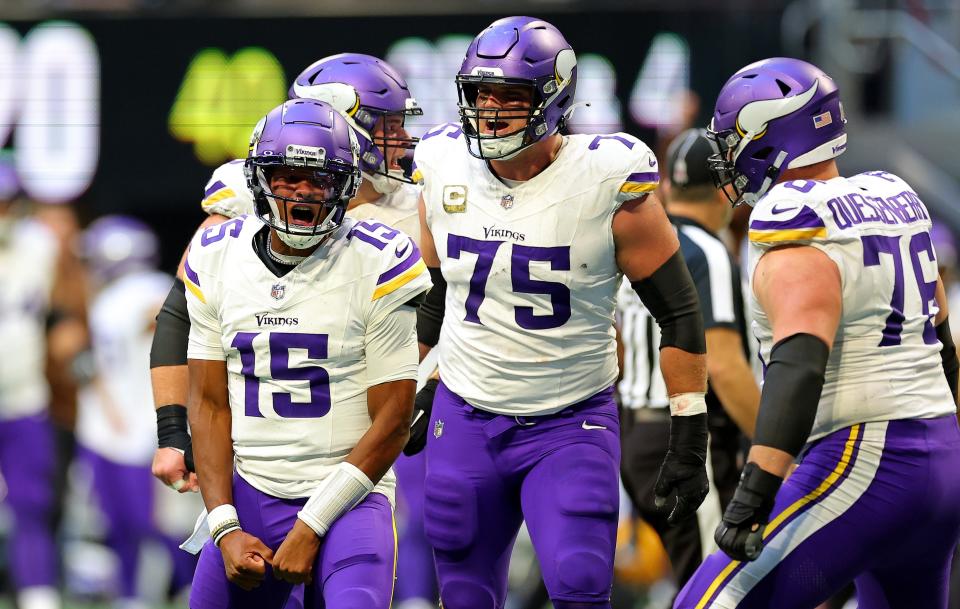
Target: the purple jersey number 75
pixel 521 282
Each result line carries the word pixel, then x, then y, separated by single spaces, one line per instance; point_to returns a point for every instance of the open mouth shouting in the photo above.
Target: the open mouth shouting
pixel 303 214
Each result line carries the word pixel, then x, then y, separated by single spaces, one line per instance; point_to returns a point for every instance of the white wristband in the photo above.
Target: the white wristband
pixel 687 404
pixel 221 520
pixel 345 487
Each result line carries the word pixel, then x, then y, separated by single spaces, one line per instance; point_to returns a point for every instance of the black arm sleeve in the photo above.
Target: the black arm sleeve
pixel 173 329
pixel 791 392
pixel 430 313
pixel 671 297
pixel 948 356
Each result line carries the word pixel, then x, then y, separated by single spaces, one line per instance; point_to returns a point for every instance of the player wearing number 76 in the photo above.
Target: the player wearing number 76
pixel 302 362
pixel 859 366
pixel 526 233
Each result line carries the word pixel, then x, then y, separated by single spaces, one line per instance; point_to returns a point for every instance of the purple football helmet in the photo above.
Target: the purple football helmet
pixel 364 89
pixel 116 245
pixel 304 133
pixel 517 51
pixel 772 115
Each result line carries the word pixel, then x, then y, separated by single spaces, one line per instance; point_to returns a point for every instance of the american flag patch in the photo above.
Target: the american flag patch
pixel 822 120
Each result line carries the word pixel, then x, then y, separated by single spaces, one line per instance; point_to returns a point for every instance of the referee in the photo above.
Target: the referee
pixel 698 211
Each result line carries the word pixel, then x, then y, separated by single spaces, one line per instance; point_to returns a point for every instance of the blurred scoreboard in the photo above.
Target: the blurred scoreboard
pixel 130 115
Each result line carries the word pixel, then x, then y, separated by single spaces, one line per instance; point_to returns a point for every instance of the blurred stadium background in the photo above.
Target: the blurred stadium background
pixel 125 106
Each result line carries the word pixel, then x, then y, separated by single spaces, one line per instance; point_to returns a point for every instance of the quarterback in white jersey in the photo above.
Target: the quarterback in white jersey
pixel 303 362
pixel 859 366
pixel 527 233
pixel 376 102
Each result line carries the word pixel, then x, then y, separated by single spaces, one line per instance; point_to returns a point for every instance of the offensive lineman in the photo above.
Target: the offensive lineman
pixel 302 363
pixel 526 233
pixel 851 319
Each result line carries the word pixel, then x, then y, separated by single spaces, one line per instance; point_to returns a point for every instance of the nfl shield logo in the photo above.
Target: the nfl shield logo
pixel 438 428
pixel 277 291
pixel 506 202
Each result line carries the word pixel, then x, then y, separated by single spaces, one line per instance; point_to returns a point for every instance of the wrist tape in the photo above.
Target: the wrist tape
pixel 337 494
pixel 221 520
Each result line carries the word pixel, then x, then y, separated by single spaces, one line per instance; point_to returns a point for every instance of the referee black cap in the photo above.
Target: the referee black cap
pixel 687 159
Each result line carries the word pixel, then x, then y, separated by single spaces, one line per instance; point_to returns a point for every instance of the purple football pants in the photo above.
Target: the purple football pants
pixel 487 473
pixel 28 464
pixel 125 495
pixel 877 504
pixel 416 574
pixel 354 569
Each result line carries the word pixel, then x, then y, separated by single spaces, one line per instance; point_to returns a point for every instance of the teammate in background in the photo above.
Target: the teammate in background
pixel 377 98
pixel 35 308
pixel 114 437
pixel 851 319
pixel 526 233
pixel 303 361
pixel 699 212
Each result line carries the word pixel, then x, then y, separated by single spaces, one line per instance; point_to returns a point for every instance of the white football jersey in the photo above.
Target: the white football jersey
pixel 398 209
pixel 226 192
pixel 302 350
pixel 531 272
pixel 28 267
pixel 885 361
pixel 111 419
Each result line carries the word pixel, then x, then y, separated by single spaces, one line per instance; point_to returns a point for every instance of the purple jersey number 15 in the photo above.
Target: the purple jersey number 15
pixel 873 246
pixel 280 345
pixel 521 282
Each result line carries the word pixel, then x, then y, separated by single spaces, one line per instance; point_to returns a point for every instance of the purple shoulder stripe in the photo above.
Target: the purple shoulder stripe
pixel 413 256
pixel 214 188
pixel 190 273
pixel 805 218
pixel 647 176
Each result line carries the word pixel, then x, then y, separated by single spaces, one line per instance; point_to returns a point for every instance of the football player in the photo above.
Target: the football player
pixel 115 440
pixel 526 233
pixel 376 100
pixel 303 361
pixel 853 331
pixel 36 306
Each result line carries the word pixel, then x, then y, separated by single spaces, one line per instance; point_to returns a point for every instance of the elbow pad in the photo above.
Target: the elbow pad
pixel 671 297
pixel 173 329
pixel 791 392
pixel 430 313
pixel 948 356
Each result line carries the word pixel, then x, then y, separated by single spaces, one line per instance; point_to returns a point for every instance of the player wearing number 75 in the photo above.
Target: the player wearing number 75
pixel 526 233
pixel 859 366
pixel 302 362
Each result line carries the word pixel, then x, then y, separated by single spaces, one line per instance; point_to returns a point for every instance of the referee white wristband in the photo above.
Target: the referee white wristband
pixel 221 520
pixel 338 493
pixel 687 404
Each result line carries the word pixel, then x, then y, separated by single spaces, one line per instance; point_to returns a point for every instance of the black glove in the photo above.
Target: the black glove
pixel 682 483
pixel 422 407
pixel 173 432
pixel 740 534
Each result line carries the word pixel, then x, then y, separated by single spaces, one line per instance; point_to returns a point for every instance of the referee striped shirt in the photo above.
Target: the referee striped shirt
pixel 717 279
